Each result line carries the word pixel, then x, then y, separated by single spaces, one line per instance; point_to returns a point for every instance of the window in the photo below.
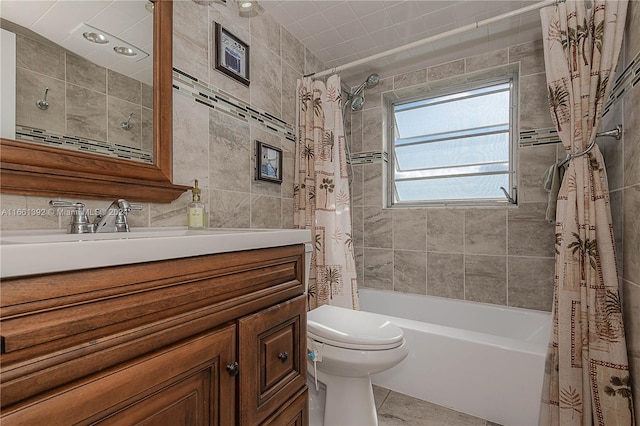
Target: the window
pixel 454 147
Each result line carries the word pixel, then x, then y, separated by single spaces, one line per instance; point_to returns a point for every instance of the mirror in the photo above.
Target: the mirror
pixel 34 169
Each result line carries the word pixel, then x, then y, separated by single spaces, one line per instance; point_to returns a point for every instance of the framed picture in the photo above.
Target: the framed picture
pixel 268 162
pixel 232 55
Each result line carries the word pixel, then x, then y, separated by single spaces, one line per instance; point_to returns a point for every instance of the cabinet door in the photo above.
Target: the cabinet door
pixel 184 384
pixel 272 359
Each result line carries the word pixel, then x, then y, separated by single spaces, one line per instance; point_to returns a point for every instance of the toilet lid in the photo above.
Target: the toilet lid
pixel 352 329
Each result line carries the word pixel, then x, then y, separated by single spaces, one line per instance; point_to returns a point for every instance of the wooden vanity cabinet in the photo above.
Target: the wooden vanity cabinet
pixel 208 340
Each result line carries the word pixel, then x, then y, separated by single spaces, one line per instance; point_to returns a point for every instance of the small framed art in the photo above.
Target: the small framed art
pixel 268 162
pixel 232 55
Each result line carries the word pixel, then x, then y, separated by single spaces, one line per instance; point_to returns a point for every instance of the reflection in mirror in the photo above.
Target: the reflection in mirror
pixel 84 75
pixel 36 169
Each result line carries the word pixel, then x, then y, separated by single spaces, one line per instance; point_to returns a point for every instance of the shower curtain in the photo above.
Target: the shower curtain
pixel 586 374
pixel 321 193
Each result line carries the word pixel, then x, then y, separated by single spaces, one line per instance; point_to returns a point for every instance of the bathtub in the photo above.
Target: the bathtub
pixel 480 359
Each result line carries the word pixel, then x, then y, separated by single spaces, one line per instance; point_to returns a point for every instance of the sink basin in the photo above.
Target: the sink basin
pixel 46 251
pixel 59 236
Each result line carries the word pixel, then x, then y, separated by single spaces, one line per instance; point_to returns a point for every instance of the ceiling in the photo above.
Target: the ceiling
pixel 61 21
pixel 341 31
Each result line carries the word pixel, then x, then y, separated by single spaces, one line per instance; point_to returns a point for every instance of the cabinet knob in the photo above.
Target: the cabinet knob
pixel 283 356
pixel 232 369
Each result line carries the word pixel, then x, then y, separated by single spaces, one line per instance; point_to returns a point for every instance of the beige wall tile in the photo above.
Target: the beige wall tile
pixel 410 229
pixel 230 209
pixel 485 231
pixel 292 51
pixel 631 241
pixel 378 227
pixel 31 54
pixel 84 73
pixel 530 55
pixel 486 279
pixel 532 164
pixel 528 232
pixel 266 79
pixel 487 60
pixel 530 282
pixel 229 153
pixel 118 113
pixel 30 88
pixel 450 69
pixel 372 130
pixel 445 231
pixel 372 185
pixel 410 271
pixel 266 212
pixel 445 275
pixel 266 30
pixel 23 212
pixel 378 269
pixel 124 87
pixel 86 113
pixel 190 154
pixel 410 79
pixel 632 137
pixel 534 106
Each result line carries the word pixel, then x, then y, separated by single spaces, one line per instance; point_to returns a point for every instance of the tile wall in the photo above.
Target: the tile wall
pixel 87 103
pixel 216 145
pixel 499 255
pixel 623 168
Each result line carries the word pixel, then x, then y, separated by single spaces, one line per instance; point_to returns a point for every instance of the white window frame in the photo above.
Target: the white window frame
pixel 510 77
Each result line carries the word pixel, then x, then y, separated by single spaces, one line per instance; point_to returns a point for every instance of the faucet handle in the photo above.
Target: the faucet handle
pixel 79 223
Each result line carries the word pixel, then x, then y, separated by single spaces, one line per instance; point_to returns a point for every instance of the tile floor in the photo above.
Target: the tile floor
pixel 396 409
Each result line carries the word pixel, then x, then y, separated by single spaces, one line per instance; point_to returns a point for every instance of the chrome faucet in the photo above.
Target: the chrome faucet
pixel 114 219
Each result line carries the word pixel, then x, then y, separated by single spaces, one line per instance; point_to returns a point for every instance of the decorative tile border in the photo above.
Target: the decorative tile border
pixel 75 143
pixel 538 137
pixel 209 95
pixel 628 78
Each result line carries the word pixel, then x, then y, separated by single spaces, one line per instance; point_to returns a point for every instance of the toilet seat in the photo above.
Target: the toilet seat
pixel 349 329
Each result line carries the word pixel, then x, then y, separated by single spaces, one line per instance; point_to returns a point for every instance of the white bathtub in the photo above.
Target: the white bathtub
pixel 480 359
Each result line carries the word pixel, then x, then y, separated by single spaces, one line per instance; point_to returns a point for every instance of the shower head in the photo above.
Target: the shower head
pixel 371 81
pixel 357 100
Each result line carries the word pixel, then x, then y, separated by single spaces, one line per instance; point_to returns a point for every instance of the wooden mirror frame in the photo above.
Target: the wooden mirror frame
pixel 32 169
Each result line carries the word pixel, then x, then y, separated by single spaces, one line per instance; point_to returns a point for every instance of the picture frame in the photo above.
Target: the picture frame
pixel 268 162
pixel 232 55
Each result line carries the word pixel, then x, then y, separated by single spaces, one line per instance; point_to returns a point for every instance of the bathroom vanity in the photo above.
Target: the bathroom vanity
pixel 212 335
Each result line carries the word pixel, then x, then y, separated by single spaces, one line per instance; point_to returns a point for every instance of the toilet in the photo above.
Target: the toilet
pixel 344 348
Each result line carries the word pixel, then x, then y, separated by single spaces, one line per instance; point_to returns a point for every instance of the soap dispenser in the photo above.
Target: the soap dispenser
pixel 195 210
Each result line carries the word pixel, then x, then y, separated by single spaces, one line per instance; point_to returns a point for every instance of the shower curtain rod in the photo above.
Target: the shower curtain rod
pixel 445 34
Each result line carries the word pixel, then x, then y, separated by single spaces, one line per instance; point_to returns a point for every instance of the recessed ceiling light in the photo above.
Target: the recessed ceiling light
pixel 95 37
pixel 149 6
pixel 246 5
pixel 125 51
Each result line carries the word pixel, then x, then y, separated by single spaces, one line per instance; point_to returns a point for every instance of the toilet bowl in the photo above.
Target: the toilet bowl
pixel 345 347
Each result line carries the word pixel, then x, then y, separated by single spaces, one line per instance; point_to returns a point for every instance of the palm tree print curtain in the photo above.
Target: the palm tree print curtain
pixel 321 193
pixel 587 374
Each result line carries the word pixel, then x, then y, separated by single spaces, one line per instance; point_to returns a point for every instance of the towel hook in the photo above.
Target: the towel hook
pixel 126 125
pixel 42 103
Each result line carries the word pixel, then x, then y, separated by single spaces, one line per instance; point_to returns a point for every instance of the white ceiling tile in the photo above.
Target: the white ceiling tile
pixel 430 6
pixel 364 7
pixel 413 26
pixel 300 9
pixel 376 21
pixel 385 36
pixel 329 38
pixel 339 14
pixel 439 18
pixel 59 21
pixel 351 30
pixel 403 12
pixel 342 50
pixel 364 42
pixel 315 23
pixel 140 34
pixel 16 12
pixel 113 20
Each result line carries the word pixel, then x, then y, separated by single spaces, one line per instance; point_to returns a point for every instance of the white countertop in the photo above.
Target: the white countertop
pixel 46 251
